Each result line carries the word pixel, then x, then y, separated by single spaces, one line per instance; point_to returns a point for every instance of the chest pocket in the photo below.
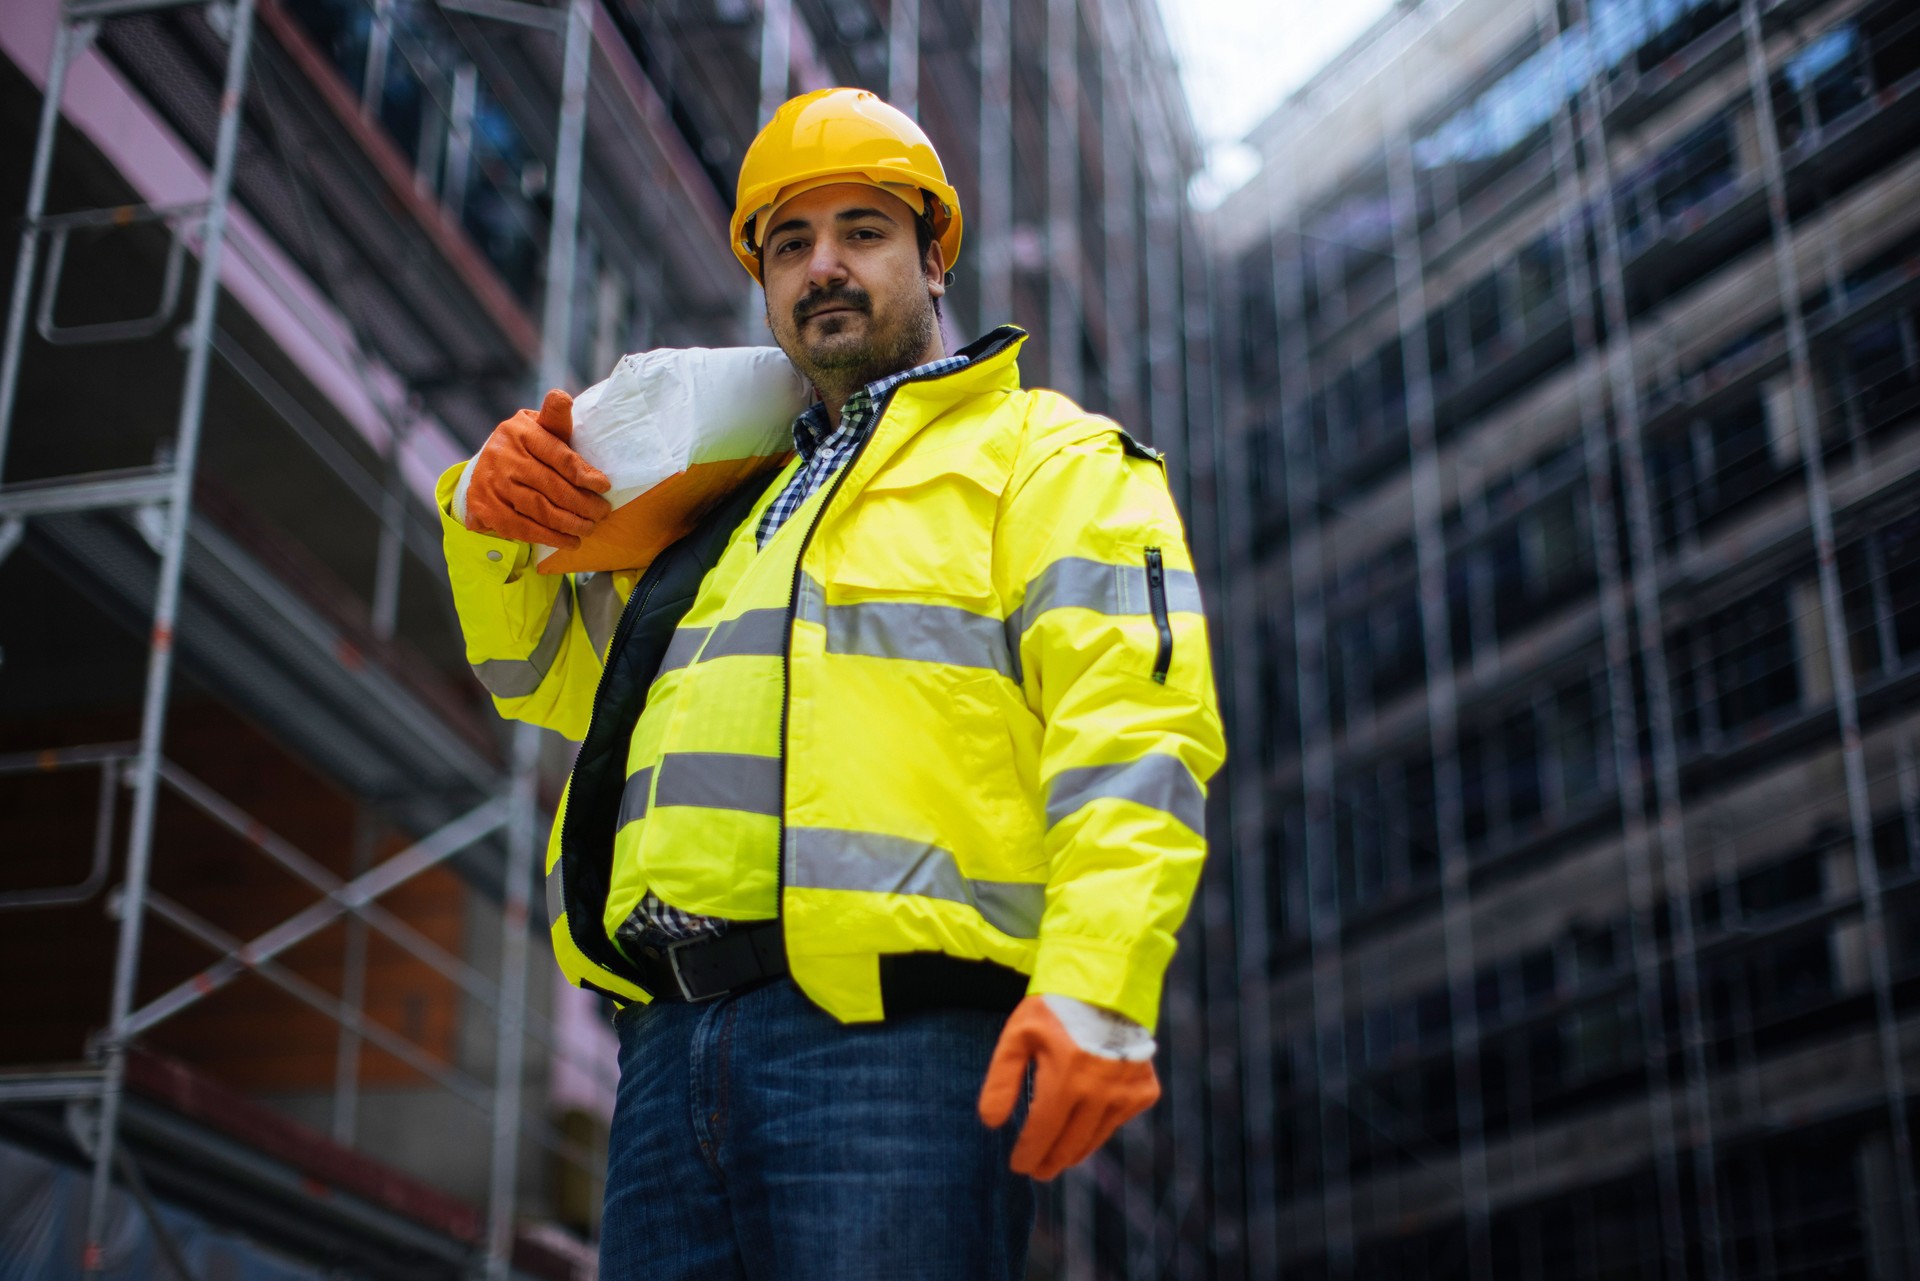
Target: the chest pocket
pixel 923 527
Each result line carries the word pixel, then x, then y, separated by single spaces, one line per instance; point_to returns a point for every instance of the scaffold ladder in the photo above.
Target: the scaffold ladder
pixel 166 488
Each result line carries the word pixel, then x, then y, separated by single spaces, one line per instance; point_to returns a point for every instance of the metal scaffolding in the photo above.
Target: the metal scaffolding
pixel 168 489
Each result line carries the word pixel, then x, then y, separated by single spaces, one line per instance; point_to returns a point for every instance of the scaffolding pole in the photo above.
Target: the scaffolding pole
pixel 556 348
pixel 1247 816
pixel 995 149
pixel 1443 716
pixel 1148 1258
pixel 345 1118
pixel 1064 322
pixel 1616 645
pixel 1319 871
pixel 1206 445
pixel 903 56
pixel 70 41
pixel 776 56
pixel 178 514
pixel 1643 585
pixel 1839 651
pixel 1119 152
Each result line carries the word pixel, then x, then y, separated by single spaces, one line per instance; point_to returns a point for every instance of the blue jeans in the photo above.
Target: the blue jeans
pixel 755 1136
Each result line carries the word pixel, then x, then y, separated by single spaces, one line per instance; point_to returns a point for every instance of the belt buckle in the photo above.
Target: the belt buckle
pixel 673 964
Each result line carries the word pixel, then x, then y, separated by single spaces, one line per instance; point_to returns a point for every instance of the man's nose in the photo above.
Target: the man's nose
pixel 825 266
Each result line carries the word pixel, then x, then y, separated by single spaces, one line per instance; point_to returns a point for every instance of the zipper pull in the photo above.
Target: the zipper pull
pixel 1157 603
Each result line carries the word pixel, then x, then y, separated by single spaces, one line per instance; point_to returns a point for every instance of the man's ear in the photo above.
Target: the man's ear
pixel 934 268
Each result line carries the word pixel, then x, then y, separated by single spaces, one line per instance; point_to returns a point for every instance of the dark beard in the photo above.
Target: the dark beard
pixel 845 368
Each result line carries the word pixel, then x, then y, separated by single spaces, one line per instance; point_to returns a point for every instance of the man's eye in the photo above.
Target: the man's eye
pixel 785 246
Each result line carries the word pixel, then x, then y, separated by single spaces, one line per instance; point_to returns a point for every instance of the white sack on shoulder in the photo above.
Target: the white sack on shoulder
pixel 660 411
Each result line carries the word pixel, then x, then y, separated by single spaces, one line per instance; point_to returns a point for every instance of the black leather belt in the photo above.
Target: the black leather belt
pixel 701 969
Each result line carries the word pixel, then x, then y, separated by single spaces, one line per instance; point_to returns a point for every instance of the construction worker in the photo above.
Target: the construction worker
pixel 891 774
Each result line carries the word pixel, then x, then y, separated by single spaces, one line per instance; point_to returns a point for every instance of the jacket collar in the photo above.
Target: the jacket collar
pixel 992 369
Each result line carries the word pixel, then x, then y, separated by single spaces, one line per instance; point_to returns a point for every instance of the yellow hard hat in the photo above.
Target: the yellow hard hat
pixel 840 135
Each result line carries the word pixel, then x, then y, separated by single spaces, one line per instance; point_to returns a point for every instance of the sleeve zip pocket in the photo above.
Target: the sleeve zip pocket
pixel 1157 602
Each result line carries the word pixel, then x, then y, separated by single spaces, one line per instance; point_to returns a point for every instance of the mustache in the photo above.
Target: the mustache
pixel 839 296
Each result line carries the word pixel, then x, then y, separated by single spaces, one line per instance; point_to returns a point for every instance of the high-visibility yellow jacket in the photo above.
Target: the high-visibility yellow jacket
pixel 962 703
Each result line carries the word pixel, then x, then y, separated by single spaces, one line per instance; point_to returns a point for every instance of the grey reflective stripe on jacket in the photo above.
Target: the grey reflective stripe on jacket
pixel 907 630
pixel 1157 781
pixel 835 859
pixel 634 797
pixel 600 608
pixel 1075 582
pixel 758 633
pixel 519 677
pixel 719 780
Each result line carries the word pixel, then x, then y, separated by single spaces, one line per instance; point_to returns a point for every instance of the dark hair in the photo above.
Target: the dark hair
pixel 923 234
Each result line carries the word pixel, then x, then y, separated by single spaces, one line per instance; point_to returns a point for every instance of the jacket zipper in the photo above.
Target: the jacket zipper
pixel 1157 602
pixel 793 607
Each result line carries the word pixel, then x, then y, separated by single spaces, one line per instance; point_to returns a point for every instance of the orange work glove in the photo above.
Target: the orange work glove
pixel 528 485
pixel 1079 1098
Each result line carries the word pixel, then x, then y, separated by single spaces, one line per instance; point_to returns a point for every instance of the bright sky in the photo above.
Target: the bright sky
pixel 1239 58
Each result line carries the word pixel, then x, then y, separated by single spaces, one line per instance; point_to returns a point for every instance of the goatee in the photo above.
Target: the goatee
pixel 846 366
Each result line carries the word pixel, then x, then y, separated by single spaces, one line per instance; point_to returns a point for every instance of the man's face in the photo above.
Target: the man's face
pixel 849 297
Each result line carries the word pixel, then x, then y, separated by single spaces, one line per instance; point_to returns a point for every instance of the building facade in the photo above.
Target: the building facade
pixel 1570 369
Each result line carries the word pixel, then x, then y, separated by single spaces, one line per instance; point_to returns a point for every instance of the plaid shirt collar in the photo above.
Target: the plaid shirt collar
pixel 812 431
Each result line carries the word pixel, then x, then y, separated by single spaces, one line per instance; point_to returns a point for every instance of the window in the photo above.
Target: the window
pixel 1695 170
pixel 1511 577
pixel 1581 737
pixel 1778 887
pixel 1892 32
pixel 1266 481
pixel 1820 84
pixel 1279 719
pixel 1439 345
pixel 1601 1038
pixel 1900 556
pixel 1670 484
pixel 1654 32
pixel 1683 179
pixel 1878 372
pixel 1501 786
pixel 1537 281
pixel 1732 458
pixel 1259 325
pixel 1555 550
pixel 1482 307
pixel 1752 661
pixel 1390 376
pixel 1399 657
pixel 1521 783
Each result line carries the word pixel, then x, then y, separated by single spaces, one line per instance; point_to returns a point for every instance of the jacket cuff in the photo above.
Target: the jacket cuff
pixel 485 556
pixel 1101 1031
pixel 1123 978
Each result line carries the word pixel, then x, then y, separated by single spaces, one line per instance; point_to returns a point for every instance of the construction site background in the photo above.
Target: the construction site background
pixel 1544 415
